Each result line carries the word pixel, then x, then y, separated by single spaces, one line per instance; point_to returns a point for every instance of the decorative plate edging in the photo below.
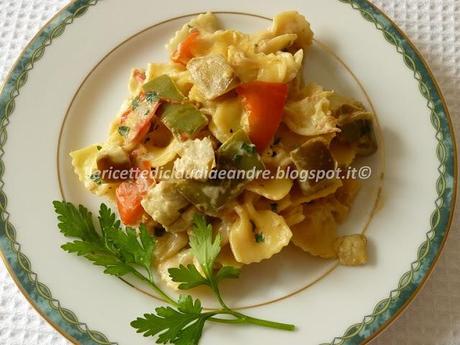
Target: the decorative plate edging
pixel 17 263
pixel 386 310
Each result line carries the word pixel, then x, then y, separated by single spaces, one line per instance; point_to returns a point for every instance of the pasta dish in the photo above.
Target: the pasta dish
pixel 226 104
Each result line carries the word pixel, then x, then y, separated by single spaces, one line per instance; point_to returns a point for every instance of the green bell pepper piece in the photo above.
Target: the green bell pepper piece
pixel 210 196
pixel 164 87
pixel 183 120
pixel 238 152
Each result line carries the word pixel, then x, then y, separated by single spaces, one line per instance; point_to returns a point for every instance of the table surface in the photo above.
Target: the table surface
pixel 432 319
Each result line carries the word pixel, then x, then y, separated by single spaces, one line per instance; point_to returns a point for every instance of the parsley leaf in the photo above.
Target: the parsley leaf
pixel 260 238
pixel 75 222
pixel 204 248
pixel 227 272
pixel 123 131
pixel 96 177
pixel 123 250
pixel 248 148
pixel 189 277
pixel 135 103
pixel 118 250
pixel 151 97
pixel 181 326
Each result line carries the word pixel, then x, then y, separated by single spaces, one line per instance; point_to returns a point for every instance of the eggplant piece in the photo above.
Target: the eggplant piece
pixel 113 163
pixel 358 130
pixel 352 250
pixel 212 75
pixel 315 157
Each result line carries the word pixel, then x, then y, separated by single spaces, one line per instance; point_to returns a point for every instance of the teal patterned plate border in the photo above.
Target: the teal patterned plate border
pixel 386 311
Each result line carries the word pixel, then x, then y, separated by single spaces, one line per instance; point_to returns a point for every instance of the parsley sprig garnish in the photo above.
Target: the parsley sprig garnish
pixel 183 325
pixel 206 250
pixel 123 251
pixel 120 251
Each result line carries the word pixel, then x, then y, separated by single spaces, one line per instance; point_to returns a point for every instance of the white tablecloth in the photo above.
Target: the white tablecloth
pixel 433 318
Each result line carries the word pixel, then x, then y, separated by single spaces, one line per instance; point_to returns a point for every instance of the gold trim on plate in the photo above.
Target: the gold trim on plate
pixel 395 316
pixel 398 314
pixel 2 256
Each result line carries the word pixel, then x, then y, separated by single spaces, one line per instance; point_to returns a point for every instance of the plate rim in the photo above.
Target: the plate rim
pixel 372 325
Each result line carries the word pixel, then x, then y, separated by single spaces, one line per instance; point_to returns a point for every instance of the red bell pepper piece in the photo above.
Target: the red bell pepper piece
pixel 265 104
pixel 184 52
pixel 129 195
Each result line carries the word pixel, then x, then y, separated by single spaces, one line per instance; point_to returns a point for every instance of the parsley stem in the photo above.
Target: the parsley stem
pixel 215 289
pixel 264 323
pixel 227 321
pixel 150 281
pixel 244 319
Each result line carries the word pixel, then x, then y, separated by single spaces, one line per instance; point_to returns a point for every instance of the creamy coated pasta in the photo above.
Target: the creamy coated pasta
pixel 235 103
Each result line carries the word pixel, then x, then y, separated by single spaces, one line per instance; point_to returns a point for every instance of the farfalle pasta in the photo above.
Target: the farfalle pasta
pixel 232 102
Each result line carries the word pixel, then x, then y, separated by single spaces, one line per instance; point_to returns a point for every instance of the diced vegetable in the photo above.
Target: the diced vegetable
pixel 344 106
pixel 184 51
pixel 314 156
pixel 140 130
pixel 183 120
pixel 144 179
pixel 352 250
pixel 265 103
pixel 164 203
pixel 112 160
pixel 165 88
pixel 212 75
pixel 240 153
pixel 210 196
pixel 357 130
pixel 128 197
pixel 237 153
pixel 135 123
pixel 197 159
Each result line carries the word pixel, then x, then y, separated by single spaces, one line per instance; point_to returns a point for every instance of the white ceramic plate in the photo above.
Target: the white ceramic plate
pixel 66 87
